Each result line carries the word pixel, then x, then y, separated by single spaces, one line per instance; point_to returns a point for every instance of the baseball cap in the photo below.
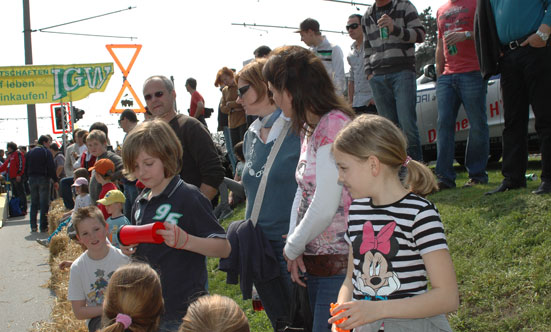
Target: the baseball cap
pixel 112 196
pixel 79 182
pixel 103 166
pixel 309 24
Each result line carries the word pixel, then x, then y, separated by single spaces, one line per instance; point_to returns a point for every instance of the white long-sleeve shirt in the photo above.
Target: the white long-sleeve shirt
pixel 332 57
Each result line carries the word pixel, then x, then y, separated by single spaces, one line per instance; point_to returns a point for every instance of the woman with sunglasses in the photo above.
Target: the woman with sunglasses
pixel 237 121
pixel 281 186
pixel 315 245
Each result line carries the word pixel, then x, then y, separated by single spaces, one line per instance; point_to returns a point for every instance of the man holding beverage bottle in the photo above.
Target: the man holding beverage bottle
pixel 459 82
pixel 392 27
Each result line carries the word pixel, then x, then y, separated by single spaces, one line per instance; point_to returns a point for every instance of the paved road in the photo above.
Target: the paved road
pixel 24 274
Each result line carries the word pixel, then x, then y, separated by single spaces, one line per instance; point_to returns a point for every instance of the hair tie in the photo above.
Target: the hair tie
pixel 125 320
pixel 406 162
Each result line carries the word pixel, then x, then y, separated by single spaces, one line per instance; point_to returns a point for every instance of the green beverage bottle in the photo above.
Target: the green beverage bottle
pixel 383 31
pixel 452 49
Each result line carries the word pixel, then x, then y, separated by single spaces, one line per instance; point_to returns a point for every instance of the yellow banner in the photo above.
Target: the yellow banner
pixel 52 83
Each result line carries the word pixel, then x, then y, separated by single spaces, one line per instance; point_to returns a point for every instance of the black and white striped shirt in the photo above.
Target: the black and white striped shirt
pixel 388 243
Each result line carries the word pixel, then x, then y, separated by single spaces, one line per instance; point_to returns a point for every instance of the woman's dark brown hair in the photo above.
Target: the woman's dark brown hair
pixel 301 73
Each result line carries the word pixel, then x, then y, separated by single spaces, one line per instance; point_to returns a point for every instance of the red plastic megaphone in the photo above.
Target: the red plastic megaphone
pixel 130 234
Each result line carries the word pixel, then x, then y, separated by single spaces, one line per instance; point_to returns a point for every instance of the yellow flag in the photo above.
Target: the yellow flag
pixel 52 83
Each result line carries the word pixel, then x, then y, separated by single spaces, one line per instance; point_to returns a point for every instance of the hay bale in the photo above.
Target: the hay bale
pixel 62 317
pixel 55 213
pixel 58 244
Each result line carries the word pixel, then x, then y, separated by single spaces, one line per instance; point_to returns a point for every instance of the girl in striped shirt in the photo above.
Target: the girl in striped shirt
pixel 396 237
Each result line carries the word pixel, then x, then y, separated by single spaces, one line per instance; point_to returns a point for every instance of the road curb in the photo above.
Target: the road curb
pixel 3 209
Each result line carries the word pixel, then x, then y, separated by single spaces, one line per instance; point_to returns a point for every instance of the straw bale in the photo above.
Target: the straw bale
pixel 62 317
pixel 58 244
pixel 57 209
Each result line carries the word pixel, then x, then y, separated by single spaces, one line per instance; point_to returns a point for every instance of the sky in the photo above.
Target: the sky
pixel 179 38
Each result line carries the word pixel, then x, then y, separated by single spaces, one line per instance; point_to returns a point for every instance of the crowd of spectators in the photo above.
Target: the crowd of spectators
pixel 282 113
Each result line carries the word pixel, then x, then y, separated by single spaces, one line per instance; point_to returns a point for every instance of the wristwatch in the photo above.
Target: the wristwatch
pixel 544 36
pixel 468 35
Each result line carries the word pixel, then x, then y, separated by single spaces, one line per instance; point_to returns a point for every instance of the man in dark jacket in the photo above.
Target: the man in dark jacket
pixel 523 29
pixel 201 164
pixel 40 169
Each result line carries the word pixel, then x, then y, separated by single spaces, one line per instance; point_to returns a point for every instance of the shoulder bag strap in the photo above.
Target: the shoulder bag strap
pixel 269 162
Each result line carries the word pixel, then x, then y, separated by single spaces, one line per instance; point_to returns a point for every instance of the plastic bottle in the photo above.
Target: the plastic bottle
pixel 257 303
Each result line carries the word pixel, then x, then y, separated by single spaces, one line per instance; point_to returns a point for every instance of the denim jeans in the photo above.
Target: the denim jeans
pixel 322 292
pixel 276 293
pixel 66 192
pixel 229 148
pixel 453 90
pixel 59 228
pixel 40 200
pixel 396 98
pixel 233 186
pixel 525 81
pixel 130 192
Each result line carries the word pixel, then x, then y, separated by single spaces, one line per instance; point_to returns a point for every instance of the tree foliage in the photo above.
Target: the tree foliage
pixel 424 54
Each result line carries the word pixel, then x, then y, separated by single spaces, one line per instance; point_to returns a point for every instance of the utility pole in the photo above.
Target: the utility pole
pixel 175 107
pixel 31 109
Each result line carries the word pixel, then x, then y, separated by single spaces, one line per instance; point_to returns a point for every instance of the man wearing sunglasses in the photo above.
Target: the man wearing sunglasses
pixel 359 91
pixel 330 54
pixel 200 162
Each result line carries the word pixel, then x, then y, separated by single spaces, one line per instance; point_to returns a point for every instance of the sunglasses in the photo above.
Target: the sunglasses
pixel 352 26
pixel 242 90
pixel 157 94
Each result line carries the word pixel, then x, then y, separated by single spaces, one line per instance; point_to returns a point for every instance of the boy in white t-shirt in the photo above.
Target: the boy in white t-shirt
pixel 91 271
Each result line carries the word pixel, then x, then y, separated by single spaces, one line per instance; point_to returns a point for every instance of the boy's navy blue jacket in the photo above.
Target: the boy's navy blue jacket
pixel 251 257
pixel 183 273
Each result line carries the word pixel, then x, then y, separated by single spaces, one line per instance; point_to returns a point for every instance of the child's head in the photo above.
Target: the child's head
pixel 96 142
pixel 113 201
pixel 154 139
pixel 373 135
pixel 81 172
pixel 214 313
pixel 238 151
pixel 81 185
pixel 104 168
pixel 134 295
pixel 90 226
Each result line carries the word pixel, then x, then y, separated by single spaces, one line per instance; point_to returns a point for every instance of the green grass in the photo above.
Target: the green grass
pixel 258 320
pixel 501 249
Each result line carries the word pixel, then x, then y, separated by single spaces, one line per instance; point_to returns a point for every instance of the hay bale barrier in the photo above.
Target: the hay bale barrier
pixel 62 248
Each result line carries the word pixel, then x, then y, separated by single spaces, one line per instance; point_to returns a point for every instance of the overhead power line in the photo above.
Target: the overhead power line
pixel 248 25
pixel 88 35
pixel 352 3
pixel 85 19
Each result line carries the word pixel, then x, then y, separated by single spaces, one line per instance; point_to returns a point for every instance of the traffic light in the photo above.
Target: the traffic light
pixel 77 114
pixel 58 117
